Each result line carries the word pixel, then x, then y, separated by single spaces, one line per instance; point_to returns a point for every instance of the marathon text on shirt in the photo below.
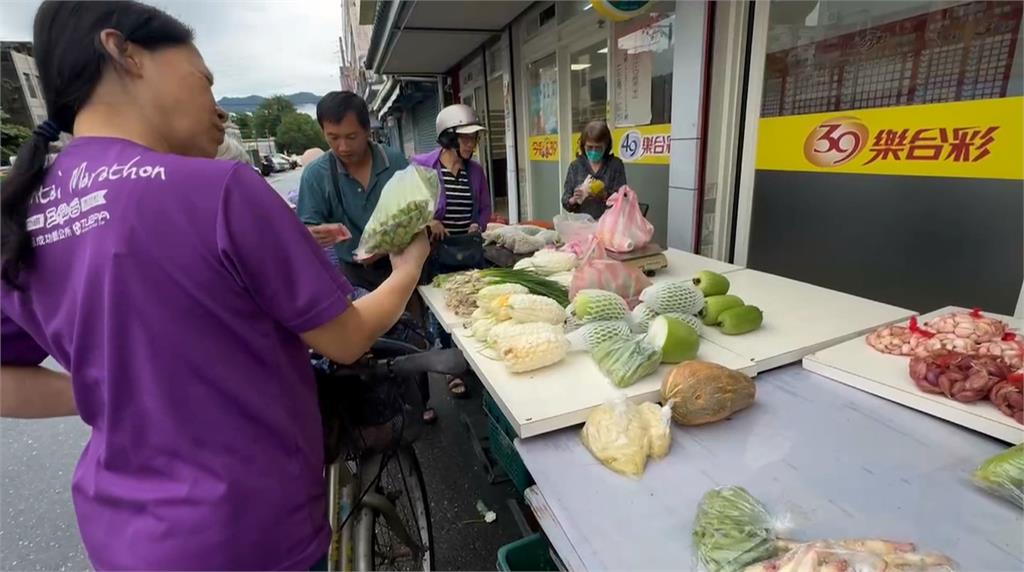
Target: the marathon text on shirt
pixel 82 178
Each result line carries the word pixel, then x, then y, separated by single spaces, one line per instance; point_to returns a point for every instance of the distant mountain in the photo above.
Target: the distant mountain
pixel 249 103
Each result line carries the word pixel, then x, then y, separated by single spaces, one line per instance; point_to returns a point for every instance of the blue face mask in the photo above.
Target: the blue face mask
pixel 595 155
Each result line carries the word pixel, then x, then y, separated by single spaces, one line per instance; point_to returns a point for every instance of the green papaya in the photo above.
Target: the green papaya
pixel 740 320
pixel 714 306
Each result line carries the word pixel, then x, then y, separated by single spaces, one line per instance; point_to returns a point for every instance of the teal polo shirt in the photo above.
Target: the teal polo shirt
pixel 320 203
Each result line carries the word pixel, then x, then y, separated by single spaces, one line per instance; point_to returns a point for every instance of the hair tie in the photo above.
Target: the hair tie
pixel 48 130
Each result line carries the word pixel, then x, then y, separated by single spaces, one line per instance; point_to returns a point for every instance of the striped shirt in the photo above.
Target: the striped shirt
pixel 458 215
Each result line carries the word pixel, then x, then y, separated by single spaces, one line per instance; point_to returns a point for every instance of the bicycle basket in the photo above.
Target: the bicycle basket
pixel 365 413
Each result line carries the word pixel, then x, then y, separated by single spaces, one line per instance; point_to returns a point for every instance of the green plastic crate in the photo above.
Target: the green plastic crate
pixel 494 413
pixel 530 553
pixel 501 437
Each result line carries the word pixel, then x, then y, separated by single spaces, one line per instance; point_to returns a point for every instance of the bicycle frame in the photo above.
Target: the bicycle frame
pixel 352 546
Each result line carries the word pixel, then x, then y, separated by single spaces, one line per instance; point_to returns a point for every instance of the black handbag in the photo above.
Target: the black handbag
pixel 459 252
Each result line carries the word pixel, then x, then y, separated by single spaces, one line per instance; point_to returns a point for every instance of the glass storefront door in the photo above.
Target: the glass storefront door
pixel 542 151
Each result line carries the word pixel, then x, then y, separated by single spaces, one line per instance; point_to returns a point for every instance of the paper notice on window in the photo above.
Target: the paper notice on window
pixel 633 88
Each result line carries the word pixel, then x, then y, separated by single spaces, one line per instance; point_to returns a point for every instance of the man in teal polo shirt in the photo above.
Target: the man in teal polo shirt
pixel 343 186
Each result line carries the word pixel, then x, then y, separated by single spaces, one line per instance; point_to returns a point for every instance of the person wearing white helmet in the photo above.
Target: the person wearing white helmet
pixel 464 205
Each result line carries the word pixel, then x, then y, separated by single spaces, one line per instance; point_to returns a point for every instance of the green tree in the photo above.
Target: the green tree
pixel 299 132
pixel 12 136
pixel 244 123
pixel 268 115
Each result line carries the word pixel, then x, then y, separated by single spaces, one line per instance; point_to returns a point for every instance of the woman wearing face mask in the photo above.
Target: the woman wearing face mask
pixel 182 295
pixel 595 174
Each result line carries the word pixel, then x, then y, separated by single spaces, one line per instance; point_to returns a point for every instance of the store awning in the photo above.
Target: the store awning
pixel 431 36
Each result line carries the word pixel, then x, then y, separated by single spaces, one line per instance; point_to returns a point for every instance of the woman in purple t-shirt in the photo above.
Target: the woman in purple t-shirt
pixel 182 295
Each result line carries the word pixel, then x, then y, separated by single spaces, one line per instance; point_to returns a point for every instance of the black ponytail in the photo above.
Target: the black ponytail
pixel 71 61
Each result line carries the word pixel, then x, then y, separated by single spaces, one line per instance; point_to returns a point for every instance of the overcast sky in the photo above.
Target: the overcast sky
pixel 300 54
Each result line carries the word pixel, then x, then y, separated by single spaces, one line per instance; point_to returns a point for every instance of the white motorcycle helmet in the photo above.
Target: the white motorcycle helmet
pixel 455 120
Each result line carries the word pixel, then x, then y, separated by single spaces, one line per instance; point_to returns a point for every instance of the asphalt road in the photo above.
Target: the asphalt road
pixel 38 530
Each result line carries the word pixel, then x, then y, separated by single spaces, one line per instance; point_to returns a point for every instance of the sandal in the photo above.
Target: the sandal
pixel 457 388
pixel 429 416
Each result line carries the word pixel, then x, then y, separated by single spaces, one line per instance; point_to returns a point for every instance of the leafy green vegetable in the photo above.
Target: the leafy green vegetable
pixel 732 530
pixel 1003 475
pixel 533 282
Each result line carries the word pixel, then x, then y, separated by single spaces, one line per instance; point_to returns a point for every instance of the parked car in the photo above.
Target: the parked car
pixel 273 164
pixel 292 163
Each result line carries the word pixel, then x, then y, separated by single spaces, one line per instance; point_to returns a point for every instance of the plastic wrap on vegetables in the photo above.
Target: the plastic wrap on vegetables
pixel 617 435
pixel 641 318
pixel 853 556
pixel 1003 475
pixel 406 205
pixel 732 530
pixel 658 421
pixel 593 334
pixel 598 305
pixel 504 332
pixel 857 555
pixel 625 360
pixel 525 308
pixel 681 297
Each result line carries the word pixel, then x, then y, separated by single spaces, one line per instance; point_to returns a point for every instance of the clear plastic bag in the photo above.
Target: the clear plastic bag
pixel 1003 475
pixel 575 227
pixel 406 206
pixel 623 228
pixel 870 555
pixel 600 273
pixel 732 530
pixel 623 435
pixel 625 360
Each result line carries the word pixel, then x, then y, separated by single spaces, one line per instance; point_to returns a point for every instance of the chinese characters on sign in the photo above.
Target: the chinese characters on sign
pixel 960 144
pixel 635 145
pixel 543 148
pixel 977 139
pixel 633 87
pixel 839 140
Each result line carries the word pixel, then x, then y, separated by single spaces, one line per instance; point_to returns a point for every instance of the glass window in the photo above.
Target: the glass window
pixel 836 55
pixel 588 72
pixel 642 68
pixel 568 9
pixel 30 85
pixel 542 83
pixel 538 19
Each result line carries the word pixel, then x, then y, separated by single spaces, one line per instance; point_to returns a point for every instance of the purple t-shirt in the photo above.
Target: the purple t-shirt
pixel 174 290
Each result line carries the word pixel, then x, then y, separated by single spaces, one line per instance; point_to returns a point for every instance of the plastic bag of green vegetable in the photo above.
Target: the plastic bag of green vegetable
pixel 406 205
pixel 732 530
pixel 1003 475
pixel 625 360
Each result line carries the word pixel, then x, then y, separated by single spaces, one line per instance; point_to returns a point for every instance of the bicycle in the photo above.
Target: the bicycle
pixel 377 498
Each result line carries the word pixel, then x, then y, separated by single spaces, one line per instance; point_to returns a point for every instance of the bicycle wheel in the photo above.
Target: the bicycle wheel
pixel 401 482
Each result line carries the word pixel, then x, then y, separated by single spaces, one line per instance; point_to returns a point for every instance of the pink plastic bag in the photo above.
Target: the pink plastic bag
pixel 623 227
pixel 602 273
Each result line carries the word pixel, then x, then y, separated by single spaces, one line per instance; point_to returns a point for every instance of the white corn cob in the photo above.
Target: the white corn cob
pixel 489 294
pixel 531 351
pixel 593 334
pixel 481 328
pixel 681 297
pixel 598 305
pixel 641 318
pixel 692 321
pixel 548 262
pixel 503 332
pixel 526 308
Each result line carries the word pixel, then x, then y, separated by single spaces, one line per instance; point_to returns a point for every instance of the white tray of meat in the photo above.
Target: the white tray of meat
pixel 961 365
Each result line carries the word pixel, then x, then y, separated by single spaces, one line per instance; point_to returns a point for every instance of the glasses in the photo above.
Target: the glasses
pixel 469 138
